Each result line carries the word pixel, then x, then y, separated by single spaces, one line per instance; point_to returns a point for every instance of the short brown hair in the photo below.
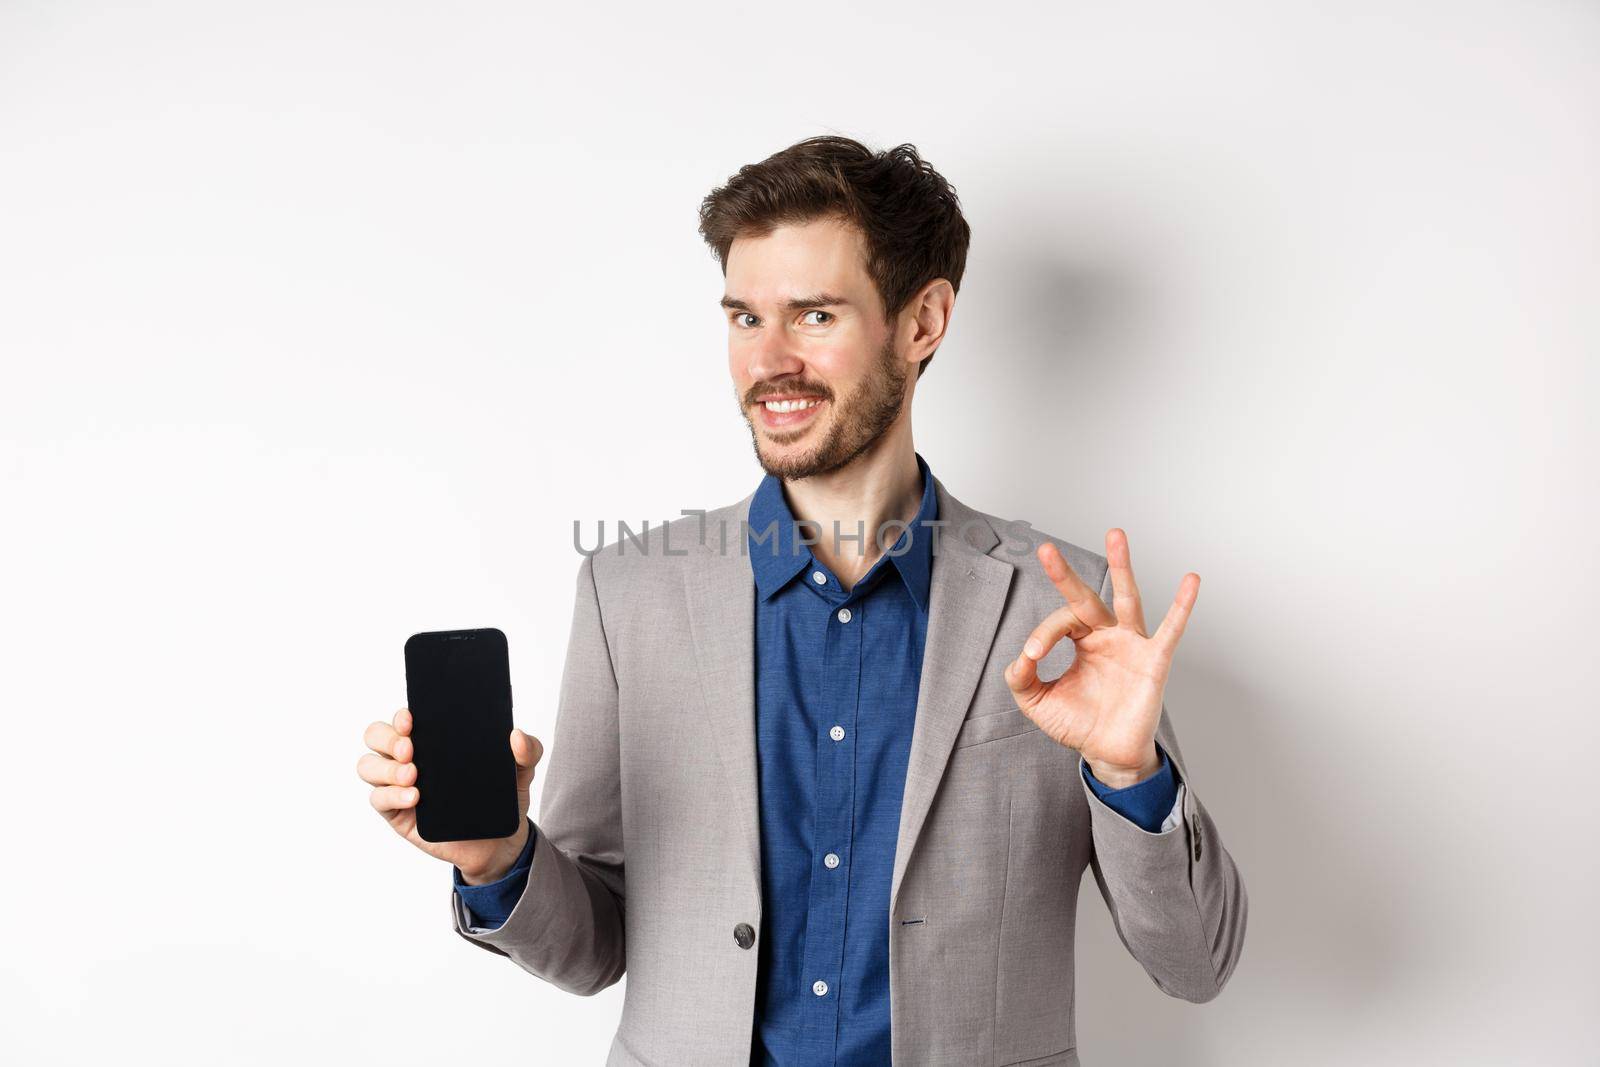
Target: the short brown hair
pixel 907 212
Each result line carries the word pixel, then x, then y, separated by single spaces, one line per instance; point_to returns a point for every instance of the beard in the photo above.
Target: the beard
pixel 858 421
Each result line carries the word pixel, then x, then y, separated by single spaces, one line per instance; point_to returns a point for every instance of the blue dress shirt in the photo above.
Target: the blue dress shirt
pixel 836 680
pixel 837 675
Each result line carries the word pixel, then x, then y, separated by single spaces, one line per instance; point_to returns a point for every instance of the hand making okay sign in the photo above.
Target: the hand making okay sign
pixel 1107 704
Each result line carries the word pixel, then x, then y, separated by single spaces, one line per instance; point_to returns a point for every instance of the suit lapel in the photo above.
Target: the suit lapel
pixel 721 592
pixel 966 594
pixel 967 591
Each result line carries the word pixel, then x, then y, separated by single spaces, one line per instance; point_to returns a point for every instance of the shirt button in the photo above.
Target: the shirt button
pixel 831 859
pixel 744 935
pixel 819 577
pixel 820 988
pixel 837 733
pixel 844 614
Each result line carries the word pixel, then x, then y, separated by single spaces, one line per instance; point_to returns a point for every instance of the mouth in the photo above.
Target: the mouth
pixel 783 413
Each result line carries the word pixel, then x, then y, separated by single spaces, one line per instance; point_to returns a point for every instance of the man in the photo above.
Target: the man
pixel 809 786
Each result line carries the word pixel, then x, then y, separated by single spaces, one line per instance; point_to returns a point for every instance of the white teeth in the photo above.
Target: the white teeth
pixel 779 406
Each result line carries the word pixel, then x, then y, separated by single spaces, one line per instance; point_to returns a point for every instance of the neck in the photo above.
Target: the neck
pixel 880 485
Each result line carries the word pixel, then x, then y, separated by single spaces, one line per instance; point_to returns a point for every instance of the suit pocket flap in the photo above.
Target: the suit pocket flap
pixel 993 726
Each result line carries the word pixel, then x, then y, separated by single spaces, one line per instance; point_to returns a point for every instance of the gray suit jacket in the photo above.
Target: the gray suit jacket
pixel 647 855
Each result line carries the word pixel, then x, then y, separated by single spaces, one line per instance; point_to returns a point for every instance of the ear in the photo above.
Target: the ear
pixel 927 317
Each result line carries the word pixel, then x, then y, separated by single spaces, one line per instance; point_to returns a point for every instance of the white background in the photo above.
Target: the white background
pixel 322 322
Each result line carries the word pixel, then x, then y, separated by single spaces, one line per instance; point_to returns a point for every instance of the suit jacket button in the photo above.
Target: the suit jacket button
pixel 743 935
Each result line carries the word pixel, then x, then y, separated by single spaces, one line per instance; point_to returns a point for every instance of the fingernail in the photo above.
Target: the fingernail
pixel 1033 648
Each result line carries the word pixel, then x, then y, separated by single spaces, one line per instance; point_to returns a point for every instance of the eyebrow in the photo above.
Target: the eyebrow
pixel 792 304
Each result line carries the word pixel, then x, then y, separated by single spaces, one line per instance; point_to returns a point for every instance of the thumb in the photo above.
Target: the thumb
pixel 527 751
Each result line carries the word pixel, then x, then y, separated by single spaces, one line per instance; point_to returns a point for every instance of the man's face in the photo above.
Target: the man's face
pixel 815 369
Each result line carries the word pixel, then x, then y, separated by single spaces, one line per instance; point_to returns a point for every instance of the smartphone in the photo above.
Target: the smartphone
pixel 458 687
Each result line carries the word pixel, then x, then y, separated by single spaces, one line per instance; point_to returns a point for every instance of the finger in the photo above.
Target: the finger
pixel 380 737
pixel 402 722
pixel 381 770
pixel 388 798
pixel 1178 614
pixel 1086 603
pixel 1124 590
pixel 1022 678
pixel 1062 622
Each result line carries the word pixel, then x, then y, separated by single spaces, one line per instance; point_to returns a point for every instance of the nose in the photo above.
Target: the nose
pixel 771 356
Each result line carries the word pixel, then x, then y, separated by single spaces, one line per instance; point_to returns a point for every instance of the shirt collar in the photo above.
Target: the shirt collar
pixel 778 557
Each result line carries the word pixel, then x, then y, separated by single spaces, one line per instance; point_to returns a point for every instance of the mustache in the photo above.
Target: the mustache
pixel 756 396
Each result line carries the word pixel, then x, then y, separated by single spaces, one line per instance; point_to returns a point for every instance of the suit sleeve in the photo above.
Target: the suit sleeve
pixel 1175 896
pixel 567 925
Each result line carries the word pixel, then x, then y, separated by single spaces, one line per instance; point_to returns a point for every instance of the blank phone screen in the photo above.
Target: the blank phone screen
pixel 458 687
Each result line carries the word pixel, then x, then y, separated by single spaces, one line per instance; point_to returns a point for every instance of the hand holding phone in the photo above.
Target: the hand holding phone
pixel 454 745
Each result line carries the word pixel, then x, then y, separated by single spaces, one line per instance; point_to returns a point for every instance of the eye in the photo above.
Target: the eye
pixel 737 315
pixel 829 314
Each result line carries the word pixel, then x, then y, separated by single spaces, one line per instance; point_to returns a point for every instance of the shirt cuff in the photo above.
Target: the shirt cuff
pixel 1149 804
pixel 489 905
